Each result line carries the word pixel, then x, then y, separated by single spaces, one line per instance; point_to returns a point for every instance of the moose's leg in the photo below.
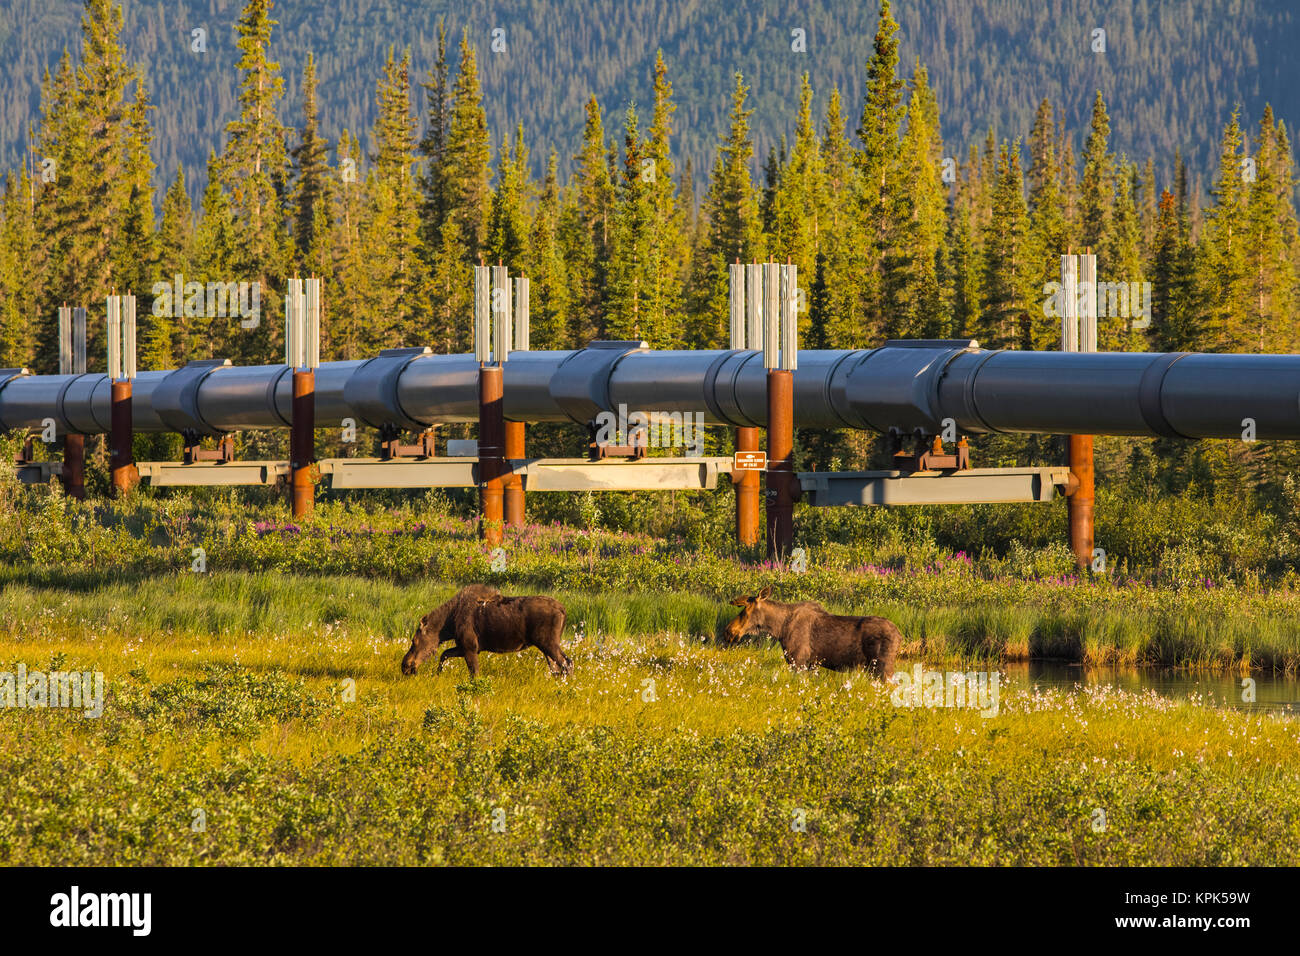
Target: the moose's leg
pixel 798 657
pixel 550 661
pixel 549 644
pixel 450 652
pixel 556 660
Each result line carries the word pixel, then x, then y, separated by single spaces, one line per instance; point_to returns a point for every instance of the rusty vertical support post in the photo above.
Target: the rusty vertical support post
pixel 1079 280
pixel 74 466
pixel 747 492
pixel 491 447
pixel 514 490
pixel 1079 503
pixel 121 371
pixel 302 355
pixel 72 361
pixel 121 465
pixel 747 482
pixel 780 463
pixel 302 442
pixel 781 358
pixel 515 438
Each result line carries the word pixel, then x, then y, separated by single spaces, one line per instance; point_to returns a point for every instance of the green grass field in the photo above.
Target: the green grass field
pixel 256 712
pixel 244 743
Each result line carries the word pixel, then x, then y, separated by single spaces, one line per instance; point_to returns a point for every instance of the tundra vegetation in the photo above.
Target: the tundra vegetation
pixel 256 711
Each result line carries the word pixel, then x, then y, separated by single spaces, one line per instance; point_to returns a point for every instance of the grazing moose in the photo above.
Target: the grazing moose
pixel 479 618
pixel 810 635
pixel 439 625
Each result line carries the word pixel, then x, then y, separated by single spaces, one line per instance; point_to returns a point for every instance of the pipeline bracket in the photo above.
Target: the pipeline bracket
pixel 372 389
pixel 176 397
pixel 580 386
pixel 637 442
pixel 933 458
pixel 391 444
pixel 224 452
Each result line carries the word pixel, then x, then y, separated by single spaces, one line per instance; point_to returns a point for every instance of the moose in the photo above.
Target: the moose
pixel 810 635
pixel 480 618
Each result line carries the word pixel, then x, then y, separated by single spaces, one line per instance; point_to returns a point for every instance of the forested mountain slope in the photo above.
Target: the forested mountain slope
pixel 1171 72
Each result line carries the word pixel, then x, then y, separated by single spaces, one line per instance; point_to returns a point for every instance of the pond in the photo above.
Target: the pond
pixel 1272 692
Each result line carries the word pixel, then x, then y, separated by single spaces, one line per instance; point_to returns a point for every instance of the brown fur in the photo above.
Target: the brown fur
pixel 810 636
pixel 479 618
pixel 439 625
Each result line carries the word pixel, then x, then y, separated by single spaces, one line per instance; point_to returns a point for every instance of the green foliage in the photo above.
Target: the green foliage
pixel 736 760
pixel 1195 582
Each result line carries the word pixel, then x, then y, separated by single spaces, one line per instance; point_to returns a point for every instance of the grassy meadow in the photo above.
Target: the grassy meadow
pixel 256 713
pixel 312 748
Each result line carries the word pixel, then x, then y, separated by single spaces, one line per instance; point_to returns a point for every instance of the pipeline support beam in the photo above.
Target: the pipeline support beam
pixel 1079 505
pixel 748 506
pixel 74 466
pixel 121 465
pixel 491 449
pixel 302 450
pixel 514 483
pixel 780 463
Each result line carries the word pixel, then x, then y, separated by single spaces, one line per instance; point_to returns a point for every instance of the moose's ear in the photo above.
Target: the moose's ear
pixel 740 601
pixel 765 593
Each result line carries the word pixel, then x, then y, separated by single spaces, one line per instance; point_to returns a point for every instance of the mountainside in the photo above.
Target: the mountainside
pixel 1171 72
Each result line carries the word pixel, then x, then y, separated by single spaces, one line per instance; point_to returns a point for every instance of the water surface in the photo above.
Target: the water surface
pixel 1273 692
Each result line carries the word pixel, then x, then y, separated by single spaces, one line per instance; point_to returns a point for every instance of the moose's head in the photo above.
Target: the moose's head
pixel 754 616
pixel 428 635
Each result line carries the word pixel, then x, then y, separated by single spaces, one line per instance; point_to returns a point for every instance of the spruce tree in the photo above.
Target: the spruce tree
pixel 1050 233
pixel 254 169
pixel 102 178
pixel 801 198
pixel 546 268
pixel 1097 187
pixel 916 255
pixel 390 230
pixel 1225 289
pixel 878 166
pixel 588 237
pixel 1123 264
pixel 631 271
pixel 160 341
pixel 836 317
pixel 433 147
pixel 1174 320
pixel 1010 296
pixel 667 249
pixel 1270 240
pixel 509 222
pixel 216 253
pixel 468 153
pixel 351 300
pixel 310 197
pixel 733 228
pixel 135 254
pixel 19 296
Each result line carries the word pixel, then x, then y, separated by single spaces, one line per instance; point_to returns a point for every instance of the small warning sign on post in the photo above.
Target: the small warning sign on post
pixel 749 461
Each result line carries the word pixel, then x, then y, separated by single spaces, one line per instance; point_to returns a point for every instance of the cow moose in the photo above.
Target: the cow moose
pixel 479 618
pixel 809 635
pixel 439 625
